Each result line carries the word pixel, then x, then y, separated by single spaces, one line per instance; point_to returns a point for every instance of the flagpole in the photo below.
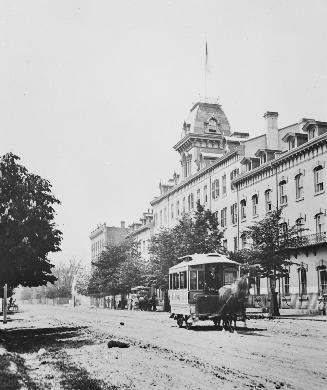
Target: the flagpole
pixel 205 73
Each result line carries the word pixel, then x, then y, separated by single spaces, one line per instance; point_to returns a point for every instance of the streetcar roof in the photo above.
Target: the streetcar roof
pixel 198 259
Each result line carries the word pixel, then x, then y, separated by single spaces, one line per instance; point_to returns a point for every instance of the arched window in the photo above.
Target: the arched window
pixel 286 283
pixel 223 179
pixel 302 281
pixel 282 192
pixel 299 186
pixel 322 279
pixel 255 205
pixel 318 179
pixel 268 200
pixel 212 125
pixel 243 208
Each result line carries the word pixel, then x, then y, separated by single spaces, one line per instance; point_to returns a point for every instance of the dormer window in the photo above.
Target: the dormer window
pixel 312 132
pixel 212 125
pixel 263 158
pixel 291 143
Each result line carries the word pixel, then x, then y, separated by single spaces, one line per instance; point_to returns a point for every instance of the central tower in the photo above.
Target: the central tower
pixel 203 137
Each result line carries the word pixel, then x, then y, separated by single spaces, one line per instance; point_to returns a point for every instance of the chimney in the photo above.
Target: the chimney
pixel 122 224
pixel 272 130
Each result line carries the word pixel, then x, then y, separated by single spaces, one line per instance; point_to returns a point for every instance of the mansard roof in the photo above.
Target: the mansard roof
pixel 282 157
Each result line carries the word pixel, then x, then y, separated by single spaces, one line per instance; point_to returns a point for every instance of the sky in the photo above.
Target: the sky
pixel 93 94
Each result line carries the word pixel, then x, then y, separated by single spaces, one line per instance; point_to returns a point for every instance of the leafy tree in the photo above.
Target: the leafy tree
pixel 273 243
pixel 82 281
pixel 65 274
pixel 27 229
pixel 197 233
pixel 118 269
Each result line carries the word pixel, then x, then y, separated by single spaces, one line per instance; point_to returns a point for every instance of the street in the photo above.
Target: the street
pixel 53 347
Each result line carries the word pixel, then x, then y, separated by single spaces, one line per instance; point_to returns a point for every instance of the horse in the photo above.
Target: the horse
pixel 231 300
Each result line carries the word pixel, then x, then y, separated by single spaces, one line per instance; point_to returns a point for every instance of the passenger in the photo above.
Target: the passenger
pixel 322 307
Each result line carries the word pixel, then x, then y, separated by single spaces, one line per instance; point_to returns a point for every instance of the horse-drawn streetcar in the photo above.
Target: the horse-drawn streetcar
pixel 207 287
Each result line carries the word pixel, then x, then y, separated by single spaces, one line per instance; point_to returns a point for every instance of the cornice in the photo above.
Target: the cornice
pixel 194 136
pixel 282 158
pixel 196 175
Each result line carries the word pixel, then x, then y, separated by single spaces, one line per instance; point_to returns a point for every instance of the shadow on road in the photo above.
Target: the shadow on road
pixel 239 330
pixel 14 372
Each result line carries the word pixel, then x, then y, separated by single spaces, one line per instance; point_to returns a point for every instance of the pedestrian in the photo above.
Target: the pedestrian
pixel 322 307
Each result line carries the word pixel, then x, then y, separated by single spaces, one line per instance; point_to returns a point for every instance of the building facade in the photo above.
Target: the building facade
pixel 242 179
pixel 104 235
pixel 141 232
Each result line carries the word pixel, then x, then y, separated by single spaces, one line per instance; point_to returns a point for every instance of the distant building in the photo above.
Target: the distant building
pixel 104 235
pixel 142 232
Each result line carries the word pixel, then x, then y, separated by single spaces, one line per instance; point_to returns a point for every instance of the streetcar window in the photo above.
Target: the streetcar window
pixel 200 280
pixel 170 281
pixel 177 280
pixel 183 280
pixel 193 280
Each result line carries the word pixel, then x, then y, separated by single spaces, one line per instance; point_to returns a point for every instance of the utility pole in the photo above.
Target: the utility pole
pixel 5 304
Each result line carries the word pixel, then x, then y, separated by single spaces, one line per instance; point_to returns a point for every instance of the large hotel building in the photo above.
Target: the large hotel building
pixel 241 179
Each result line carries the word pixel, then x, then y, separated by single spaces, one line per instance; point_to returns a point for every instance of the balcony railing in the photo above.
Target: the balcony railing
pixel 312 239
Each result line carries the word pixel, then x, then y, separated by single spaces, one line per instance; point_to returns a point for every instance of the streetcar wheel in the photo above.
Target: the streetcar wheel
pixel 188 325
pixel 180 322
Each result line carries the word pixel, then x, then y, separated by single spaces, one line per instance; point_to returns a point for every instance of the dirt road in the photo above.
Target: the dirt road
pixel 67 348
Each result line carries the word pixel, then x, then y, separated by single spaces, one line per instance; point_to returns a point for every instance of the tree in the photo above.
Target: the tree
pixel 27 229
pixel 197 233
pixel 65 274
pixel 82 281
pixel 118 268
pixel 273 243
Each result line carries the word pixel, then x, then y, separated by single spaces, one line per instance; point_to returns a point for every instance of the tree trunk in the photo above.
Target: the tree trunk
pixel 273 308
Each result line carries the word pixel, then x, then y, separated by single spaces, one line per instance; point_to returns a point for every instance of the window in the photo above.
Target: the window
pixel 172 210
pixel 243 209
pixel 312 132
pixel 263 158
pixel 230 277
pixel 224 184
pixel 225 244
pixel 223 219
pixel 268 201
pixel 212 125
pixel 319 185
pixel 322 279
pixel 286 284
pixel 205 194
pixel 165 215
pixel 282 192
pixel 177 208
pixel 299 226
pixel 198 195
pixel 243 241
pixel 303 281
pixel 215 189
pixel 283 227
pixel 160 218
pixel 255 205
pixel 319 223
pixel 233 176
pixel 190 200
pixel 196 280
pixel 291 143
pixel 235 243
pixel 183 279
pixel 233 212
pixel 299 186
pixel 184 204
pixel 255 284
